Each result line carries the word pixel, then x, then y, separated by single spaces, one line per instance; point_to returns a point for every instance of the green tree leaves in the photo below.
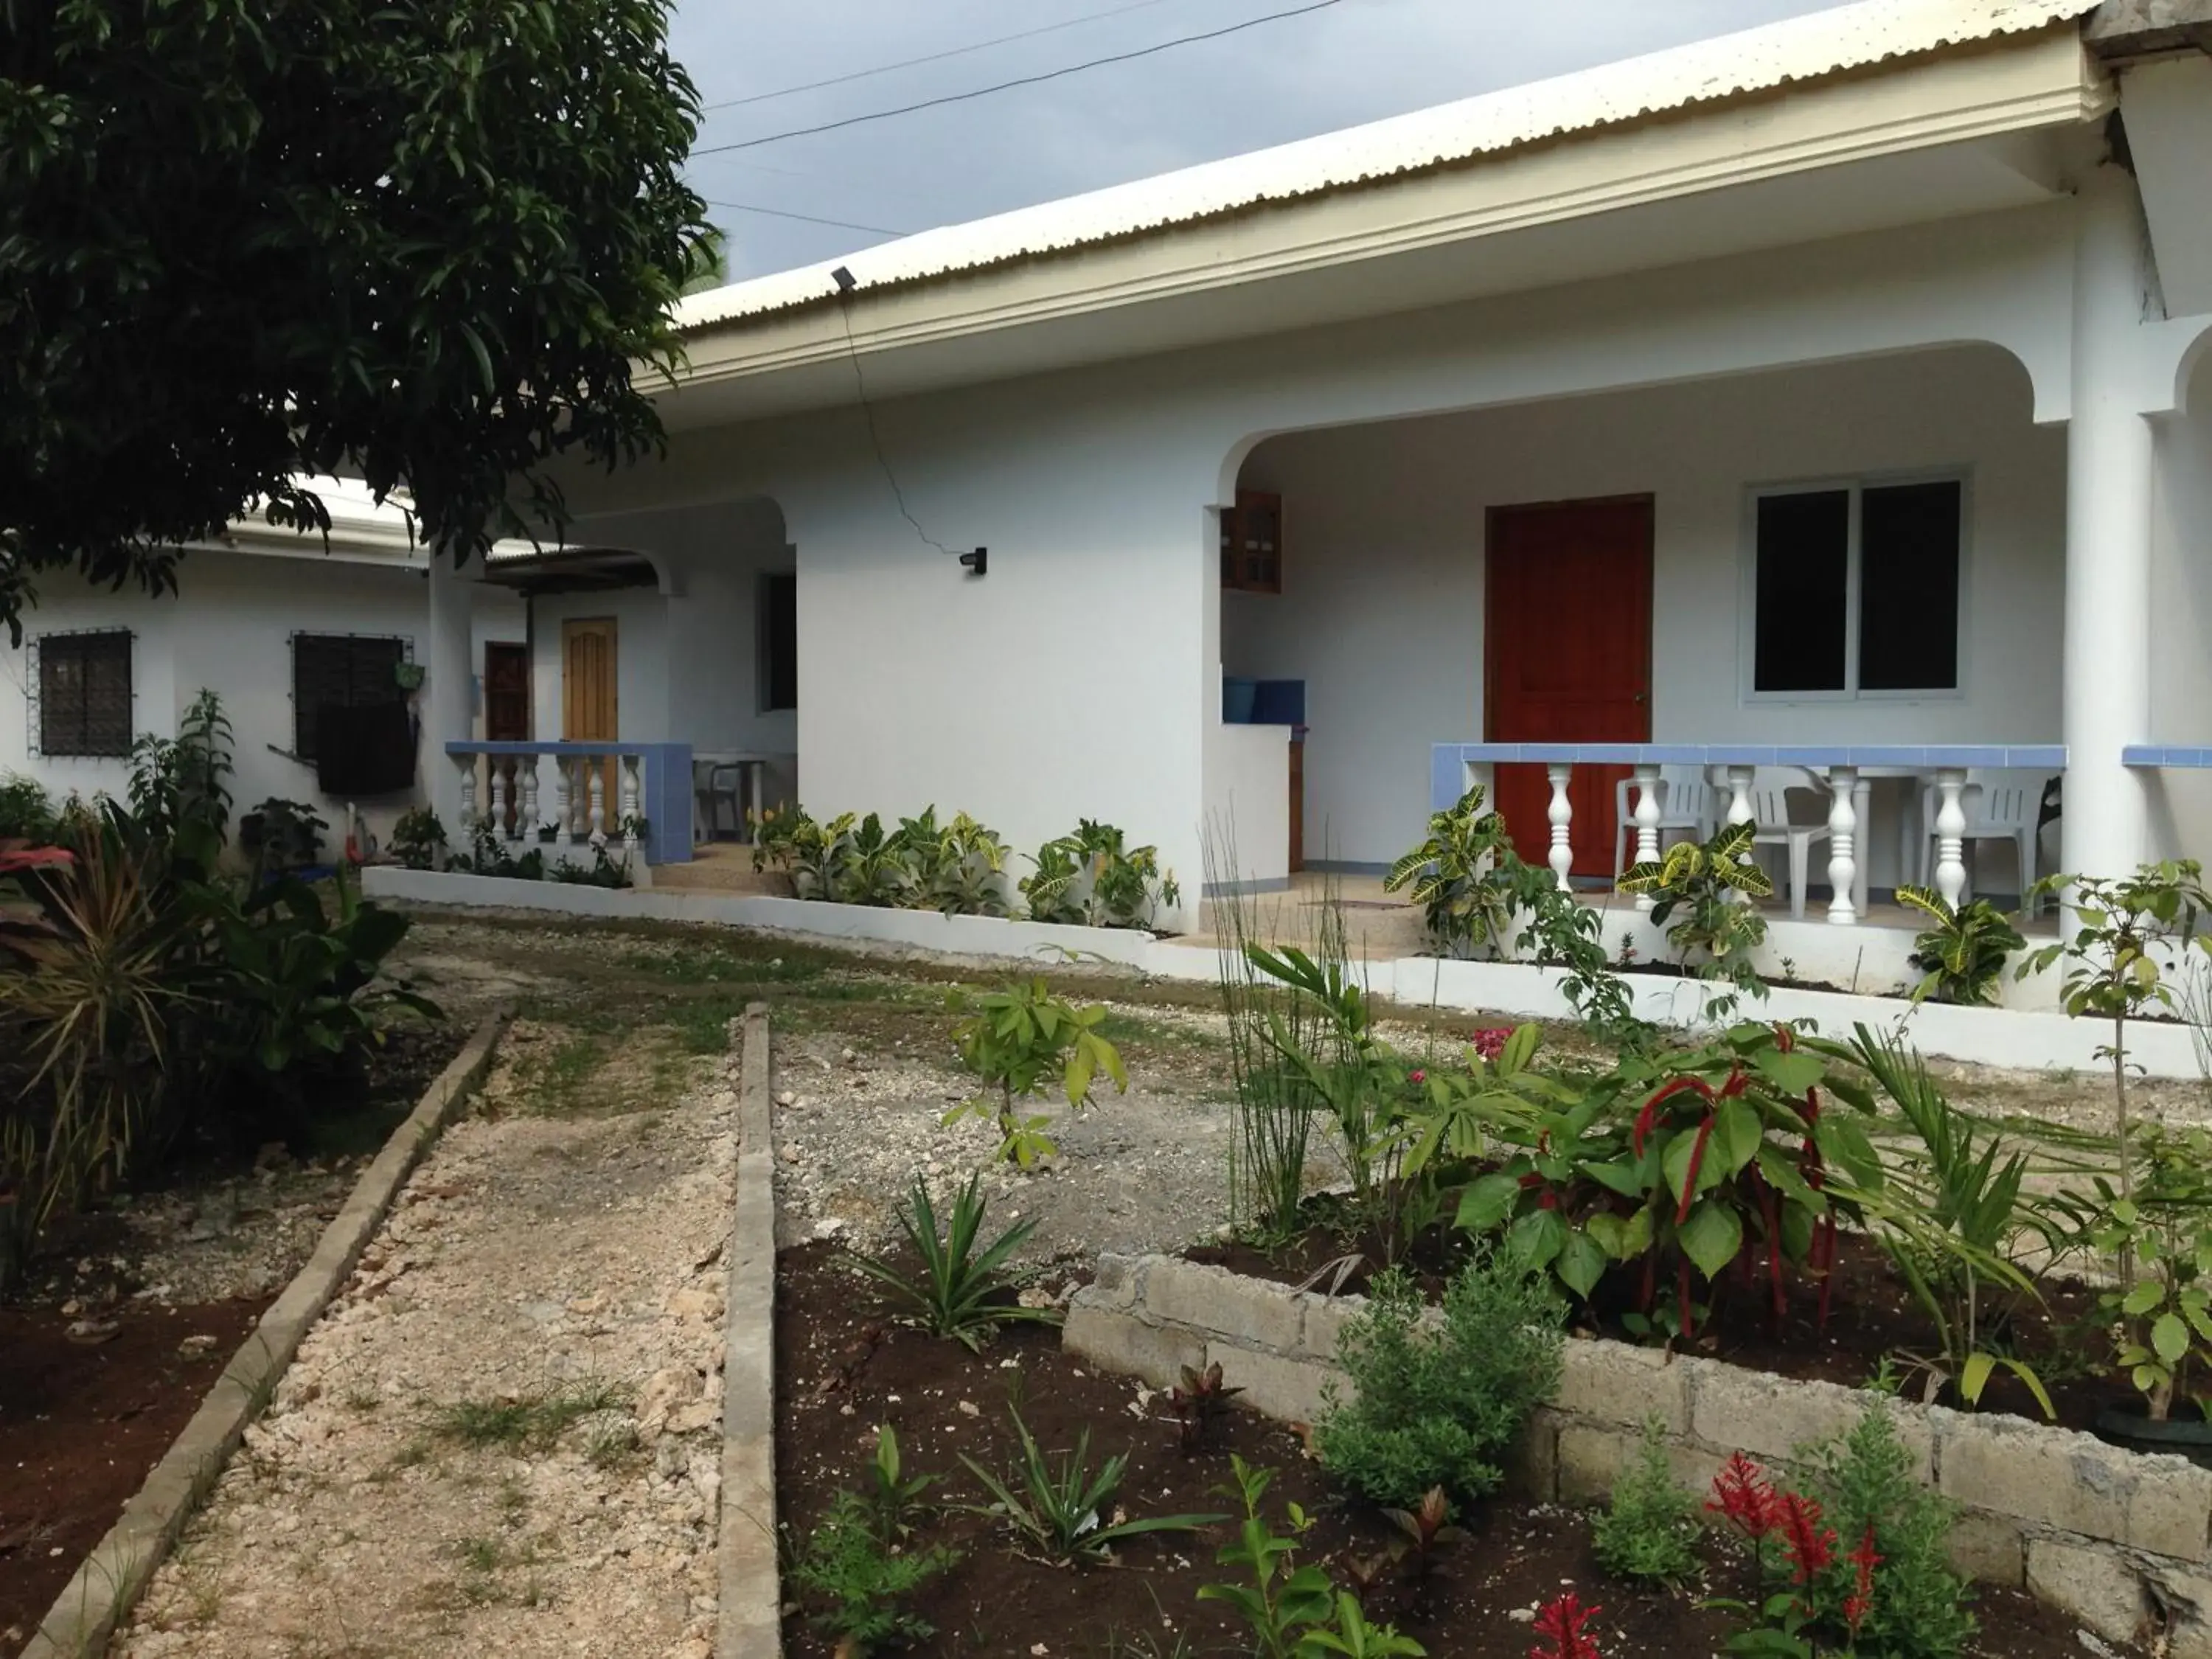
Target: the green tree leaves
pixel 243 241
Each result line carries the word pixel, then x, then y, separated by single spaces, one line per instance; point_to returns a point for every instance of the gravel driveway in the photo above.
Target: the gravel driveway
pixel 503 1439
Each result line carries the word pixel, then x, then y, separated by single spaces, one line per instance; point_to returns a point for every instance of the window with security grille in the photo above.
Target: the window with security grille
pixel 342 670
pixel 84 693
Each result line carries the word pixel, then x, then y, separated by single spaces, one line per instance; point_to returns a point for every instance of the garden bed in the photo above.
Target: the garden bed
pixel 79 1424
pixel 1873 1319
pixel 844 1368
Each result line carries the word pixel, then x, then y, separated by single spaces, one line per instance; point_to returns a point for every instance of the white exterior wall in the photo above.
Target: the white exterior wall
pixel 228 629
pixel 1382 612
pixel 1067 682
pixel 1078 677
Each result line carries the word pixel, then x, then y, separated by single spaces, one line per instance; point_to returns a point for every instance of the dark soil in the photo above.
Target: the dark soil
pixel 843 1368
pixel 80 1427
pixel 1872 1318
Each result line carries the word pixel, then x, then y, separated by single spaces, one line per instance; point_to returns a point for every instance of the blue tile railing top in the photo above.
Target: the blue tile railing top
pixel 2155 754
pixel 1448 760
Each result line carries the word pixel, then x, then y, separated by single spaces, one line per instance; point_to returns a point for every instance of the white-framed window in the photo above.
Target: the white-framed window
pixel 1856 588
pixel 84 691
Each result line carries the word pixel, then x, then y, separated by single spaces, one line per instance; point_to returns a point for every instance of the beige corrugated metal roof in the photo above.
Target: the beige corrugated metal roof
pixel 1802 49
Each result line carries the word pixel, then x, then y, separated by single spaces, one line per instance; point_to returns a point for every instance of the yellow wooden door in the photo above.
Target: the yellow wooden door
pixel 589 712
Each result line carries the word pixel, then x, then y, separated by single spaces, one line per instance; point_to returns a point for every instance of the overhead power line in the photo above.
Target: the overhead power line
pixel 1023 80
pixel 931 58
pixel 803 218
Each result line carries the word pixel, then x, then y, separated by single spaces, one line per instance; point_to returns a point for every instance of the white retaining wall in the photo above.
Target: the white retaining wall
pixel 2016 1038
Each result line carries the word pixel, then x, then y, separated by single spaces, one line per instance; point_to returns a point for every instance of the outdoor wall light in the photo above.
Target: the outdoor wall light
pixel 977 563
pixel 844 279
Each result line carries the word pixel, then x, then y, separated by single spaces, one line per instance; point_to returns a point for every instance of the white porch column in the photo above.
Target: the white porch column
pixel 1843 844
pixel 1647 825
pixel 1739 808
pixel 1562 815
pixel 2106 686
pixel 1950 827
pixel 449 703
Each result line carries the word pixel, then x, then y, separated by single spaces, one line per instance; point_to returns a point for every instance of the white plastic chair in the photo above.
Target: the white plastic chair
pixel 1687 802
pixel 1999 806
pixel 1770 810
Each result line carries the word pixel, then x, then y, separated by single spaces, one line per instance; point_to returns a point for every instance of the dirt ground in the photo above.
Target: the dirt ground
pixel 845 1372
pixel 500 1441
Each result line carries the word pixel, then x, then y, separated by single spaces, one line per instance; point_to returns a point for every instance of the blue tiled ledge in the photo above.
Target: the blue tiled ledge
pixel 2149 754
pixel 1446 760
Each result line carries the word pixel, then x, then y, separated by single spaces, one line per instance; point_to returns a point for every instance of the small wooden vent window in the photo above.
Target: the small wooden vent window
pixel 1252 543
pixel 340 670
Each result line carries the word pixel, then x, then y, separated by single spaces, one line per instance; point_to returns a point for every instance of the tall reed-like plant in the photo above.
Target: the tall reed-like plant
pixel 1275 1102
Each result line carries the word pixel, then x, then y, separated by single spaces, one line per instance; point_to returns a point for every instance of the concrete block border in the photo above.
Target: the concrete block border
pixel 112 1578
pixel 2119 1539
pixel 749 1623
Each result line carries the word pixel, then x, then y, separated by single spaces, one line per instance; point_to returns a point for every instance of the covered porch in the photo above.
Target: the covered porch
pixel 652 708
pixel 1882 606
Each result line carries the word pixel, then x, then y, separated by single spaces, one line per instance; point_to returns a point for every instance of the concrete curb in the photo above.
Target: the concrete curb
pixel 115 1574
pixel 749 1624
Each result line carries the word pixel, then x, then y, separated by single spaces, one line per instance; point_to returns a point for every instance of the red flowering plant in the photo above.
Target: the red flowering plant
pixel 1682 1168
pixel 1778 1626
pixel 1563 1627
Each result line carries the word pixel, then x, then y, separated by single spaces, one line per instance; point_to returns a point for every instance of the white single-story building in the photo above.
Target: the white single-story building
pixel 278 625
pixel 1833 396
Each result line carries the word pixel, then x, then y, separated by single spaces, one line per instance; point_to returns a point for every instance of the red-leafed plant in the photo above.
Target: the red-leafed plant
pixel 1563 1627
pixel 1686 1168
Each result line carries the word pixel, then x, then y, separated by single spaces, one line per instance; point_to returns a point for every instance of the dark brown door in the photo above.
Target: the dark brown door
pixel 507 692
pixel 1567 646
pixel 506 716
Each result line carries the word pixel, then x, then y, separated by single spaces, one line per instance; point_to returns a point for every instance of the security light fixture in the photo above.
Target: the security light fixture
pixel 845 280
pixel 976 563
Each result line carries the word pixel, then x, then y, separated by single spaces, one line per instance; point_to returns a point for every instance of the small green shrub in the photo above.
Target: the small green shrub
pixel 1094 878
pixel 861 1580
pixel 1962 958
pixel 1865 1480
pixel 1290 1607
pixel 1461 878
pixel 1019 1040
pixel 26 813
pixel 1438 1409
pixel 418 838
pixel 1648 1532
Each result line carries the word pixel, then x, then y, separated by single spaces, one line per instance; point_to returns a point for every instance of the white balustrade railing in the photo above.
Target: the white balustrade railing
pixel 599 795
pixel 1847 779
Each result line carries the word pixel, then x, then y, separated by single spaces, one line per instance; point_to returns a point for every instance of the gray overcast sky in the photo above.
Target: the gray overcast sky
pixel 1355 61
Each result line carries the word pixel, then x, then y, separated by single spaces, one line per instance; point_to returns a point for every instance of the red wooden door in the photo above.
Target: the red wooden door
pixel 1567 650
